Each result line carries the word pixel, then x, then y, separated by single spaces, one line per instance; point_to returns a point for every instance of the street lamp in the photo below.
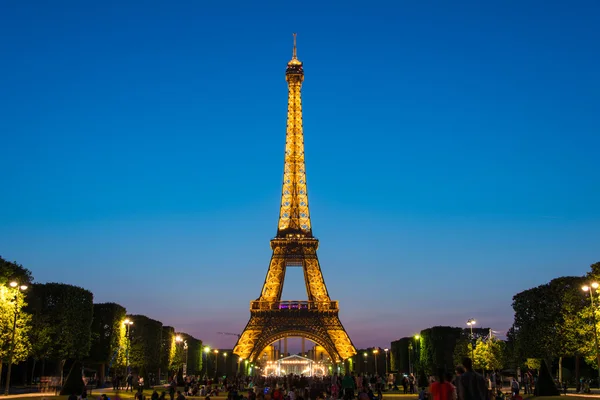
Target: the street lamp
pixel 185 355
pixel 386 361
pixel 417 354
pixel 206 351
pixel 19 288
pixel 179 339
pixel 472 322
pixel 127 324
pixel 225 362
pixel 586 288
pixel 216 363
pixel 410 350
pixel 376 351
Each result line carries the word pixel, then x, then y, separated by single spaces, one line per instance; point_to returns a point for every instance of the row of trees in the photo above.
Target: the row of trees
pixel 558 320
pixel 553 322
pixel 59 328
pixel 445 346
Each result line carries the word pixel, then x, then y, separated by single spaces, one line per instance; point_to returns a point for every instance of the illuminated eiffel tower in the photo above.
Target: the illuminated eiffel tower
pixel 271 318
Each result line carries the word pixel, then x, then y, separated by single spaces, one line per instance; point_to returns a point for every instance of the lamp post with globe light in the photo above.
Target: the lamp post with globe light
pixel 386 361
pixel 127 324
pixel 470 323
pixel 417 353
pixel 179 339
pixel 216 363
pixel 19 288
pixel 591 288
pixel 375 352
pixel 410 350
pixel 206 351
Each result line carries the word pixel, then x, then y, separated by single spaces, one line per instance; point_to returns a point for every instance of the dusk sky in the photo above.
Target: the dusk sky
pixel 451 148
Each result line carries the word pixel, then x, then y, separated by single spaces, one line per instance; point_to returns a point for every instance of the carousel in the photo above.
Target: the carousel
pixel 295 365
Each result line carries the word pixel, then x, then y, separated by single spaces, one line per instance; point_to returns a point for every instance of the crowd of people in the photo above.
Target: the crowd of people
pixel 463 384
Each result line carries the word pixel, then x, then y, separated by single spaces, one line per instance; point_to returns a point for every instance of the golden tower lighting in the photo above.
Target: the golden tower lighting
pixel 294 245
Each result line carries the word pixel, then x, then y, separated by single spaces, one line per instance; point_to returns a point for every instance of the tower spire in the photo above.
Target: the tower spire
pixel 294 51
pixel 294 217
pixel 294 61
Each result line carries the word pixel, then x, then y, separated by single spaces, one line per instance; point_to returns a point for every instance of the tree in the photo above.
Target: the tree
pixel 146 340
pixel 68 311
pixel 533 363
pixel 193 359
pixel 400 359
pixel 583 320
pixel 168 349
pixel 41 341
pixel 107 340
pixel 12 303
pixel 462 349
pixel 542 326
pixel 437 348
pixel 489 354
pixel 11 271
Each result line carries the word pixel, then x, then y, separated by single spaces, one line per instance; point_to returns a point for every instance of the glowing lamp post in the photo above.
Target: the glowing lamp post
pixel 216 363
pixel 411 368
pixel 386 361
pixel 594 286
pixel 179 339
pixel 19 289
pixel 375 352
pixel 470 323
pixel 206 351
pixel 127 324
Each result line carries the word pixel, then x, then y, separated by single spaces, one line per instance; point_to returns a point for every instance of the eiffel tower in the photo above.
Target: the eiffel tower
pixel 294 245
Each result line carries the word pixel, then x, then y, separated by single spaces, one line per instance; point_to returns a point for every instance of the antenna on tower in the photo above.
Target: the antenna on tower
pixel 294 51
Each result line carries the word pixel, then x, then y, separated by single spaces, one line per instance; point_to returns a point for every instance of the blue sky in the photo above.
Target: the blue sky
pixel 451 153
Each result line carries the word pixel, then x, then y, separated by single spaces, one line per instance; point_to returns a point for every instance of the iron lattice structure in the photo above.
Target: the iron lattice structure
pixel 271 318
